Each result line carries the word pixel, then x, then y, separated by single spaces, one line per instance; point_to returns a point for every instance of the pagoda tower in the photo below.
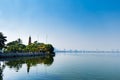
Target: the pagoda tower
pixel 29 41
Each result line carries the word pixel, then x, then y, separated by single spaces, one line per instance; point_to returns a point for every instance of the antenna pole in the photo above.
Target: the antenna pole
pixel 38 38
pixel 46 38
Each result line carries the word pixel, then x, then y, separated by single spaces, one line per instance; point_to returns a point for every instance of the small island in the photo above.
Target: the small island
pixel 18 49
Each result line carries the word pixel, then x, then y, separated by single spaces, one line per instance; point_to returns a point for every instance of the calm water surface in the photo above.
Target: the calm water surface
pixel 64 66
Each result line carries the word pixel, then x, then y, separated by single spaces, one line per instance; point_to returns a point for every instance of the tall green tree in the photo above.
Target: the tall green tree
pixel 2 40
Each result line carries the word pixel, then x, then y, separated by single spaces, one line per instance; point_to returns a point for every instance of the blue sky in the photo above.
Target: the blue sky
pixel 69 24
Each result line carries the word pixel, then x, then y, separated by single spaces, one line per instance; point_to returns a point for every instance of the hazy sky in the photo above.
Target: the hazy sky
pixel 70 24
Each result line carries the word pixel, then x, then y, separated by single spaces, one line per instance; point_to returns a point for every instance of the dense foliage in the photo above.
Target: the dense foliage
pixel 2 40
pixel 17 46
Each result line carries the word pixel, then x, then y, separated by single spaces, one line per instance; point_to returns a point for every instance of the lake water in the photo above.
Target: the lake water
pixel 64 66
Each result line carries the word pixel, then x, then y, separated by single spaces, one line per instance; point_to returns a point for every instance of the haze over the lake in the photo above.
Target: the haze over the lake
pixel 69 24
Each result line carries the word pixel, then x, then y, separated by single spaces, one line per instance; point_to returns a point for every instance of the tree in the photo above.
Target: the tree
pixel 19 41
pixel 46 48
pixel 2 40
pixel 33 47
pixel 15 46
pixel 49 48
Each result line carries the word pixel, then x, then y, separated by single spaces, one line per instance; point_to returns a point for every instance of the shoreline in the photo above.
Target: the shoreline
pixel 11 55
pixel 20 58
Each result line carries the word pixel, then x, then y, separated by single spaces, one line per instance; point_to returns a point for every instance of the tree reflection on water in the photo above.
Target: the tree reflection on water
pixel 17 63
pixel 1 71
pixel 30 61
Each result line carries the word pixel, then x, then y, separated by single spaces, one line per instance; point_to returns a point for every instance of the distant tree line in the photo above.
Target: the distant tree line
pixel 17 46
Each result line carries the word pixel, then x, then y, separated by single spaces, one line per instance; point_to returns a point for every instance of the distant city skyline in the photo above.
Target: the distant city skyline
pixel 67 24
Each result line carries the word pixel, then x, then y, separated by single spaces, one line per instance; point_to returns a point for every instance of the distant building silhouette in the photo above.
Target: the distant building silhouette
pixel 29 41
